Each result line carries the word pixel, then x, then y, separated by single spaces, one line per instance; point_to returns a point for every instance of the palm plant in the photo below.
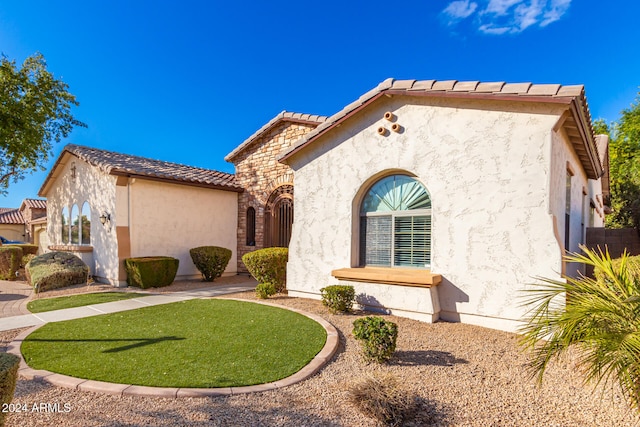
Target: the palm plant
pixel 599 317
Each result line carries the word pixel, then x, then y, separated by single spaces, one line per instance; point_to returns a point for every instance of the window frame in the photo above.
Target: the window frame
pixel 421 212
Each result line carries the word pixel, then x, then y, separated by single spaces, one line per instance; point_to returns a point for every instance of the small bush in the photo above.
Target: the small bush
pixel 10 259
pixel 265 290
pixel 377 337
pixel 26 259
pixel 268 265
pixel 9 364
pixel 56 270
pixel 338 298
pixel 382 398
pixel 151 272
pixel 210 261
pixel 27 248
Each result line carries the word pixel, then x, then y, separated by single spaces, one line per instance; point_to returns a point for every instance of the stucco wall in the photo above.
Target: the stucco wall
pixel 169 219
pixel 98 189
pixel 488 174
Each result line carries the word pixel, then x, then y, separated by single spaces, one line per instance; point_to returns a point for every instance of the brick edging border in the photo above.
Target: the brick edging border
pixel 321 359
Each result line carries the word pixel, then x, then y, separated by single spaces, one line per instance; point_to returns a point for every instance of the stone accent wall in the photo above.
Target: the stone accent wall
pixel 258 171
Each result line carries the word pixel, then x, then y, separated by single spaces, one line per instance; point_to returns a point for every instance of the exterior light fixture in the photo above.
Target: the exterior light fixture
pixel 104 218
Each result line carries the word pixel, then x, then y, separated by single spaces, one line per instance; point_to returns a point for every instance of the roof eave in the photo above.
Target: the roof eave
pixel 235 189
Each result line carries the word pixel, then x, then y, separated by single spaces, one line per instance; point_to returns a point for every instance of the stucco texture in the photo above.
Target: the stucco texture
pixel 169 219
pixel 487 167
pixel 98 189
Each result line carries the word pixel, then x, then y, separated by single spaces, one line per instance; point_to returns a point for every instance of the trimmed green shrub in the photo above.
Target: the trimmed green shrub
pixel 265 290
pixel 26 259
pixel 9 364
pixel 56 270
pixel 210 261
pixel 377 337
pixel 268 265
pixel 27 248
pixel 338 298
pixel 151 272
pixel 10 259
pixel 381 396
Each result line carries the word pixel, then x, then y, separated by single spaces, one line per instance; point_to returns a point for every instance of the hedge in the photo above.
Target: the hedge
pixel 210 261
pixel 10 260
pixel 151 272
pixel 27 248
pixel 9 364
pixel 56 270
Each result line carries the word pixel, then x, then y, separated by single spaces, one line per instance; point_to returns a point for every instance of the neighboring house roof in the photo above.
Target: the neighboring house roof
pixel 34 204
pixel 11 216
pixel 283 116
pixel 576 121
pixel 119 164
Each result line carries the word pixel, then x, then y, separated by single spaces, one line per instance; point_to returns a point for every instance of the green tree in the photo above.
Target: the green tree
pixel 35 110
pixel 598 318
pixel 624 167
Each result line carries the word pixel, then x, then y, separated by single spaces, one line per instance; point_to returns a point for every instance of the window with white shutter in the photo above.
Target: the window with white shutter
pixel 395 224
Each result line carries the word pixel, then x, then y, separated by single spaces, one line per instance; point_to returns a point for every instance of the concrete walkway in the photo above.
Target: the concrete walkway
pixel 12 297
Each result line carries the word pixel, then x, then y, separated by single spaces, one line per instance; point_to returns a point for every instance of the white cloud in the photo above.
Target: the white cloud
pixel 506 16
pixel 458 10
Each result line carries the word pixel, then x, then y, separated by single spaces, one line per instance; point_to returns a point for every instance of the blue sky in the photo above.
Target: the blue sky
pixel 188 81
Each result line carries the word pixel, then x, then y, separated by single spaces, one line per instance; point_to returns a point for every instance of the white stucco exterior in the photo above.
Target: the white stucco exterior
pixel 495 172
pixel 169 219
pixel 97 189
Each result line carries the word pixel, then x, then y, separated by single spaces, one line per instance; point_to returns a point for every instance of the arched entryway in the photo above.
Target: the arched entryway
pixel 278 218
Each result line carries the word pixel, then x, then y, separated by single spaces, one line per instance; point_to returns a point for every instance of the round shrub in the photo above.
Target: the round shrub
pixel 338 298
pixel 268 265
pixel 10 259
pixel 56 270
pixel 210 261
pixel 382 397
pixel 377 337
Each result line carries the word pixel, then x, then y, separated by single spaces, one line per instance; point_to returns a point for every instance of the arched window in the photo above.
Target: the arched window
pixel 64 232
pixel 85 224
pixel 395 224
pixel 75 225
pixel 251 227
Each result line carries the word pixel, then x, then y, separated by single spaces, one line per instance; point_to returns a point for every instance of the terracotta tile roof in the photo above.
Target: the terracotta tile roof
pixel 584 141
pixel 135 166
pixel 11 216
pixel 283 116
pixel 35 203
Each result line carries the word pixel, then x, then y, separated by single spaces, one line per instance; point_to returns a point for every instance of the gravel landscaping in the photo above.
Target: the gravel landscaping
pixel 461 375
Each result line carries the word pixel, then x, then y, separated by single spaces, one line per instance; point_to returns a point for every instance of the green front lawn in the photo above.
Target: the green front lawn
pixel 195 343
pixel 58 303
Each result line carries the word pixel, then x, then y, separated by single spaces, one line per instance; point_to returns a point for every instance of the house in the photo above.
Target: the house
pixel 24 223
pixel 106 207
pixel 434 199
pixel 445 199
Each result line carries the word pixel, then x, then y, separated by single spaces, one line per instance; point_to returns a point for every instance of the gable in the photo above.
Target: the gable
pixel 576 120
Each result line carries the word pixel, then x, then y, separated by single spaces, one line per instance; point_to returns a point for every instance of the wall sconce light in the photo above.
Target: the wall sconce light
pixel 104 218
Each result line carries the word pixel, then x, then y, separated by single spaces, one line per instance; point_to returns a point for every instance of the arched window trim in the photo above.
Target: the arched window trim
pixel 85 240
pixel 65 226
pixel 395 238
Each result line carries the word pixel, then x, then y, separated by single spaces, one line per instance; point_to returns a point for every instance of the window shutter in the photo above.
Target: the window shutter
pixel 412 242
pixel 375 240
